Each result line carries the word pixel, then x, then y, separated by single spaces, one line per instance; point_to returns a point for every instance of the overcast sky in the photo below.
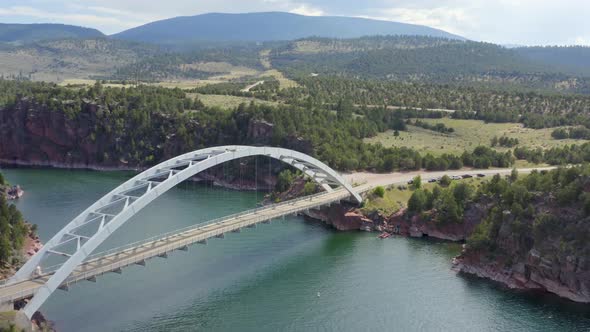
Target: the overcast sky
pixel 526 22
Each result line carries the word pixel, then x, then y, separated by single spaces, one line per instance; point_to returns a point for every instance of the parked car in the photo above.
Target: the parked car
pixel 481 175
pixel 411 182
pixel 431 180
pixel 456 177
pixel 467 176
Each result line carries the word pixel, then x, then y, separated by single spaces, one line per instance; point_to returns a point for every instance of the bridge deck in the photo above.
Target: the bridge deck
pixel 139 253
pixel 117 258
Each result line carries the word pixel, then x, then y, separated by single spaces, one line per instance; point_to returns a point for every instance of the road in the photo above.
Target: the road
pixel 252 86
pixel 137 253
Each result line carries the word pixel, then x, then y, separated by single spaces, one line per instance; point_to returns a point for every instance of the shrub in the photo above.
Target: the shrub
pixel 445 181
pixel 418 201
pixel 417 182
pixel 379 191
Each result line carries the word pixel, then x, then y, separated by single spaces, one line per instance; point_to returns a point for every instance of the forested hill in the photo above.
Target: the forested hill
pixel 25 33
pixel 426 59
pixel 267 27
pixel 574 59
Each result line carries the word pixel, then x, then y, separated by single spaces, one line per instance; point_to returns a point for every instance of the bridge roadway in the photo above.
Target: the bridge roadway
pixel 137 253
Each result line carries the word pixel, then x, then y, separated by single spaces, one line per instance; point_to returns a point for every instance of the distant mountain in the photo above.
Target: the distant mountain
pixel 267 27
pixel 572 59
pixel 25 33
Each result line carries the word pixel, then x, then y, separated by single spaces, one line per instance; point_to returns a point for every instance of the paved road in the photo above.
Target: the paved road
pixel 138 253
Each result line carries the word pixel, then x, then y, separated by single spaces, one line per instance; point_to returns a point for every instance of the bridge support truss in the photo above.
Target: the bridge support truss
pixel 93 226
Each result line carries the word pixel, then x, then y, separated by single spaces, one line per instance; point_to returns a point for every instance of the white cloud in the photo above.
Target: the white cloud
pixel 454 20
pixel 307 10
pixel 82 19
pixel 582 40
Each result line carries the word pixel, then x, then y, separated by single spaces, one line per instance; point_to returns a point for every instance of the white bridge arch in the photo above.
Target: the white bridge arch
pixel 110 212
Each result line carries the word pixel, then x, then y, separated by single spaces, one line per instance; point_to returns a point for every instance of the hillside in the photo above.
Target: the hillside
pixel 56 60
pixel 424 59
pixel 26 33
pixel 266 27
pixel 574 59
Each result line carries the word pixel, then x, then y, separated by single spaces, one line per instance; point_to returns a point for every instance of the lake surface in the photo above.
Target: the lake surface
pixel 268 278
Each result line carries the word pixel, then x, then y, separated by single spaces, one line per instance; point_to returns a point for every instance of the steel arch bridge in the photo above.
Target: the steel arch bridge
pixel 93 226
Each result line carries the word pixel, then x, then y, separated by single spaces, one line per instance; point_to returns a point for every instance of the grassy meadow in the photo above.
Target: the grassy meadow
pixel 468 135
pixel 397 197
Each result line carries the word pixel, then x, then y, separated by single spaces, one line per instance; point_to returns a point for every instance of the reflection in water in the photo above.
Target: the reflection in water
pixel 267 279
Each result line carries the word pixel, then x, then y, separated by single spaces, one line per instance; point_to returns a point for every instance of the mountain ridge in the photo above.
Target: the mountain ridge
pixel 231 27
pixel 25 33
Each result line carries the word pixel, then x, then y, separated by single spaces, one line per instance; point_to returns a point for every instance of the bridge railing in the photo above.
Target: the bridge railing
pixel 195 226
pixel 177 232
pixel 163 249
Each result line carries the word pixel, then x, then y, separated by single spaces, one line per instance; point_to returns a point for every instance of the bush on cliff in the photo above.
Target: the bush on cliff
pixel 379 191
pixel 13 231
pixel 543 210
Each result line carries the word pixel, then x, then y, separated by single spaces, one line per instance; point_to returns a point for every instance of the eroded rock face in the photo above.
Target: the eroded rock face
pixel 522 261
pixel 260 131
pixel 38 135
pixel 568 277
pixel 342 218
pixel 32 134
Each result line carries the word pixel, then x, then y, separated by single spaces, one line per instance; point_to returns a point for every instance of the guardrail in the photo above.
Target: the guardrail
pixel 177 233
pixel 206 223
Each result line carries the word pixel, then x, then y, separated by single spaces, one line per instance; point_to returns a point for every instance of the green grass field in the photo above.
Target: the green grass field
pixel 228 102
pixel 396 199
pixel 468 135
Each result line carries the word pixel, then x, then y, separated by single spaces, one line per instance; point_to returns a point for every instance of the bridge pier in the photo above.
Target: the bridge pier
pixel 202 241
pixel 220 236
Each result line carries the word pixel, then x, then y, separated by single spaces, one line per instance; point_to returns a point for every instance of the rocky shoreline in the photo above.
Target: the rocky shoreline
pixel 519 277
pixel 536 274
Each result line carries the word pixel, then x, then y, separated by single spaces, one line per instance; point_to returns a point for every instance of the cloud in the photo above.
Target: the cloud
pixel 454 20
pixel 579 40
pixel 307 10
pixel 81 19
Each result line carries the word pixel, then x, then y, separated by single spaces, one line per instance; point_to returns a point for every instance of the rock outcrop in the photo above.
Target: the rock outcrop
pixel 567 277
pixel 343 218
pixel 540 268
pixel 35 134
pixel 32 134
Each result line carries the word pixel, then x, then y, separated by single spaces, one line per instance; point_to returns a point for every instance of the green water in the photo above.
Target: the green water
pixel 268 278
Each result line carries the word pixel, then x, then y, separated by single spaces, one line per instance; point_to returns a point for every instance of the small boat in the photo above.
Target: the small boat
pixel 384 235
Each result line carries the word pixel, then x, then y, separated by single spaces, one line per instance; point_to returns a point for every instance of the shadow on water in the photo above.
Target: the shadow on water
pixel 535 300
pixel 305 266
pixel 268 278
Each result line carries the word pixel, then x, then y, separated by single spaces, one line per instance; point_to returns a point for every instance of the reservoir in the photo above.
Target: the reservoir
pixel 269 278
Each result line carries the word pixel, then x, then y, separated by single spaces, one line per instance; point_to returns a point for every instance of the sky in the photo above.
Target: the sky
pixel 521 22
